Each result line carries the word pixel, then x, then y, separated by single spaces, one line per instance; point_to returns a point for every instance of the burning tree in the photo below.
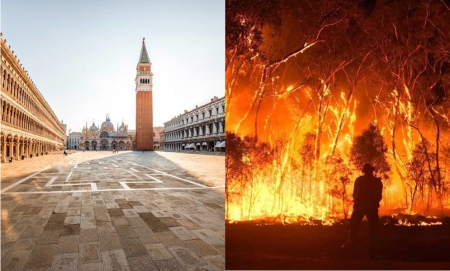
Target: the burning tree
pixel 244 166
pixel 418 169
pixel 307 160
pixel 339 180
pixel 312 74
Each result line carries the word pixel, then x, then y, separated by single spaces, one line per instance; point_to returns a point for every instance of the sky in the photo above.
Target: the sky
pixel 82 55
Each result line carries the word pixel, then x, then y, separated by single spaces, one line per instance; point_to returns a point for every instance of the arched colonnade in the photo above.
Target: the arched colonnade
pixel 15 146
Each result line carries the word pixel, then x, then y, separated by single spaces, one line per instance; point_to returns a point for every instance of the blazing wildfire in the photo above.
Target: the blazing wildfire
pixel 315 89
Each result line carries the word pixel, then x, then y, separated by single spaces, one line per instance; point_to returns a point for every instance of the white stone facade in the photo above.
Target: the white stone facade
pixel 73 141
pixel 201 129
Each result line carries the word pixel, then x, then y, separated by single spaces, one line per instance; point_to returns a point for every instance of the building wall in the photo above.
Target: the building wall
pixel 157 131
pixel 161 140
pixel 29 127
pixel 132 135
pixel 203 126
pixel 144 120
pixel 73 141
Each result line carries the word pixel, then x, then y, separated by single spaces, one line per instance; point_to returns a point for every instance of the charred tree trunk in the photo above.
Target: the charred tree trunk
pixel 436 178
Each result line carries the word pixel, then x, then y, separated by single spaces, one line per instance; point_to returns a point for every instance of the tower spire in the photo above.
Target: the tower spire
pixel 144 56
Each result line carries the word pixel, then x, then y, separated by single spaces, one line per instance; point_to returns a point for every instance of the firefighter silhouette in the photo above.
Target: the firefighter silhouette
pixel 367 194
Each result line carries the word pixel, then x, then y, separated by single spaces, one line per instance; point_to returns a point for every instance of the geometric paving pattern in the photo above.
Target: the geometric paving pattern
pixel 116 213
pixel 110 175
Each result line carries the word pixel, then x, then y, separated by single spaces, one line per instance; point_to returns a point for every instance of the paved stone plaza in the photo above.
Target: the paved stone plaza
pixel 104 211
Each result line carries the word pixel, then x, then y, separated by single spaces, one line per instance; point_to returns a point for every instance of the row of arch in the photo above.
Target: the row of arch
pixel 17 147
pixel 203 130
pixel 18 93
pixel 16 118
pixel 188 119
pixel 199 146
pixel 145 81
pixel 105 145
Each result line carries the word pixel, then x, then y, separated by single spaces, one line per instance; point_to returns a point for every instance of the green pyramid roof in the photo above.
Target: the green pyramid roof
pixel 144 56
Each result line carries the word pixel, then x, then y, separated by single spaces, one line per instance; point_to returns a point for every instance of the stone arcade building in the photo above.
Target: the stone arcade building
pixel 29 127
pixel 201 129
pixel 105 138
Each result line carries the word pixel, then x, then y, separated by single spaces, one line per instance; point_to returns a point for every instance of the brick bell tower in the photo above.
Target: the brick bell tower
pixel 144 102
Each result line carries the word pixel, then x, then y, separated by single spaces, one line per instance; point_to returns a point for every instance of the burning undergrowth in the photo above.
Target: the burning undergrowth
pixel 385 220
pixel 315 89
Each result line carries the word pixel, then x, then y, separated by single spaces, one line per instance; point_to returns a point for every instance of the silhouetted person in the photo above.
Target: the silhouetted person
pixel 367 194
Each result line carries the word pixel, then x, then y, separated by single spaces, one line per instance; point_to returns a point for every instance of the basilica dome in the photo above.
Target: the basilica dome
pixel 122 127
pixel 93 128
pixel 107 124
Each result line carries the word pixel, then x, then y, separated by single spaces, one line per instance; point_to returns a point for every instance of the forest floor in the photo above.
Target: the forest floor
pixel 283 247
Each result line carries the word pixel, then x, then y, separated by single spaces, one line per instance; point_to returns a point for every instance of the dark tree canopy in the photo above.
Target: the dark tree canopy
pixel 370 148
pixel 244 23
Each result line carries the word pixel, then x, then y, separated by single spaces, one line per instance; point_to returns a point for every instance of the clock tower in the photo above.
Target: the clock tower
pixel 144 102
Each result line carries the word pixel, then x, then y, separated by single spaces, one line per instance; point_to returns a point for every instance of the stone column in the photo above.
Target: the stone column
pixel 17 150
pixel 22 147
pixel 10 149
pixel 4 151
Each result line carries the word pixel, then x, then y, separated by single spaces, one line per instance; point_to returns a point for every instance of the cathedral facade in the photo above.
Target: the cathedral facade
pixel 144 102
pixel 105 137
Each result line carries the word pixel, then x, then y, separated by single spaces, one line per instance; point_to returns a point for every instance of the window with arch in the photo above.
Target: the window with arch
pixel 104 134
